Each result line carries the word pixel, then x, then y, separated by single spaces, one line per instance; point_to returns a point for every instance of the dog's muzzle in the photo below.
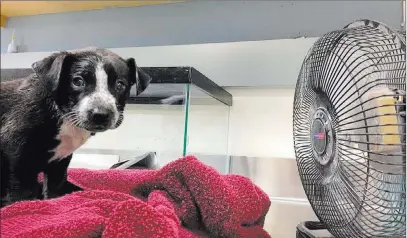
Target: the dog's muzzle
pixel 100 119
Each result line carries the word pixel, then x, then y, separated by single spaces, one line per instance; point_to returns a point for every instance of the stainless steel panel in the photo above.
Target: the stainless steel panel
pixel 277 177
pixel 283 218
pixel 218 162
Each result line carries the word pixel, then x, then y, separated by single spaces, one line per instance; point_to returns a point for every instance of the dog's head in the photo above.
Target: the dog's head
pixel 90 86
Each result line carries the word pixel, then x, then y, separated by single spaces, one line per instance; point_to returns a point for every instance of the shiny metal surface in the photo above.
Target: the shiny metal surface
pixel 277 177
pixel 280 180
pixel 219 162
pixel 283 218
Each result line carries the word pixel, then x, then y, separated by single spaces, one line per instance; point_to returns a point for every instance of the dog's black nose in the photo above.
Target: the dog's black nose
pixel 100 117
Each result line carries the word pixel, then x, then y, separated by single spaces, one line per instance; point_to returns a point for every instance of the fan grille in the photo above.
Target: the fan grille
pixel 352 83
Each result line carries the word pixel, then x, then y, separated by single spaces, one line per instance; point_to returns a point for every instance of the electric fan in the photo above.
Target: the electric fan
pixel 349 131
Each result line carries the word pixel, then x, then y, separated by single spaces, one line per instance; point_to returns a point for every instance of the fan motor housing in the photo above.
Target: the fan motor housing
pixel 322 136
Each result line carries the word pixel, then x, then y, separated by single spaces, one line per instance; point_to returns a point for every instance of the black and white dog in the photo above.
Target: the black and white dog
pixel 46 116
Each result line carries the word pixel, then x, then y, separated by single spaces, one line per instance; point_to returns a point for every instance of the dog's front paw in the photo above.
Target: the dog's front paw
pixel 65 188
pixel 19 195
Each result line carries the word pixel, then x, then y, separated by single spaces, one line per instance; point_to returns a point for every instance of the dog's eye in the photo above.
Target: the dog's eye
pixel 120 86
pixel 78 82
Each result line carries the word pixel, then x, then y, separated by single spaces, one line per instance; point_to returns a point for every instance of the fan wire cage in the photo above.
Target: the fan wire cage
pixel 349 130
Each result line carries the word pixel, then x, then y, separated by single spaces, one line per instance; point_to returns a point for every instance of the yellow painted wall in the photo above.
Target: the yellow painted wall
pixel 3 21
pixel 25 8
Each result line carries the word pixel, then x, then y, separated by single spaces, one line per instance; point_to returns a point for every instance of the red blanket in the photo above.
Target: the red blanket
pixel 183 199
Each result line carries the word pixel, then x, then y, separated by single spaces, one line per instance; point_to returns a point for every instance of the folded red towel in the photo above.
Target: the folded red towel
pixel 183 199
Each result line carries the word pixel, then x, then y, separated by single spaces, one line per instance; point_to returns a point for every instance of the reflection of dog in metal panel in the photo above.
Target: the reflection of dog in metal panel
pixel 46 116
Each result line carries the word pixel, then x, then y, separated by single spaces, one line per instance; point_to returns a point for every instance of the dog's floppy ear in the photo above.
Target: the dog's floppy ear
pixel 137 76
pixel 51 68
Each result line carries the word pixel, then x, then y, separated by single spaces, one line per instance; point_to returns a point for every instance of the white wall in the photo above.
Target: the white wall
pixel 260 126
pixel 161 128
pixel 261 122
pixel 249 63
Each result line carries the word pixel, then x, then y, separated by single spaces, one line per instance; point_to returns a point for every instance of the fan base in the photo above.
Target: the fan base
pixel 312 229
